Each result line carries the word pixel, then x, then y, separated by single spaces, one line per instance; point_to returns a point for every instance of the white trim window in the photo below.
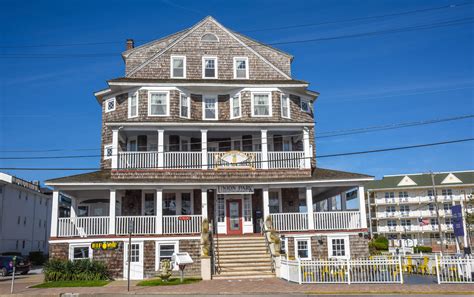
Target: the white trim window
pixel 178 67
pixel 262 104
pixel 235 107
pixel 158 103
pixel 305 105
pixel 209 67
pixel 338 247
pixel 80 252
pixel 209 108
pixel 285 106
pixel 133 105
pixel 165 250
pixel 184 106
pixel 241 68
pixel 303 248
pixel 110 105
pixel 108 151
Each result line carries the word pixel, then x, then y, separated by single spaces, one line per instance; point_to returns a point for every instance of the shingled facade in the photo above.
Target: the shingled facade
pixel 207 124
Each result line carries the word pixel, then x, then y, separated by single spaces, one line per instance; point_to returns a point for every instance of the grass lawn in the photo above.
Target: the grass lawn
pixel 63 284
pixel 170 282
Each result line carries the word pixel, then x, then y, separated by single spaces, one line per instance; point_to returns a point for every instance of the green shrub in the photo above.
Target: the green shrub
pixel 422 249
pixel 80 270
pixel 37 258
pixel 378 244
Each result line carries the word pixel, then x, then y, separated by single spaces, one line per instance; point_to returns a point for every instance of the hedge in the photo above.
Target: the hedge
pixel 80 270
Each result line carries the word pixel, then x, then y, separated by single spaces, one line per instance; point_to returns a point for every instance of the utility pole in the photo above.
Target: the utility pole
pixel 437 210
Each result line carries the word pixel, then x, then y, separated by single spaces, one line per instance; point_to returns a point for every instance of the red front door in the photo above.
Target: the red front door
pixel 234 217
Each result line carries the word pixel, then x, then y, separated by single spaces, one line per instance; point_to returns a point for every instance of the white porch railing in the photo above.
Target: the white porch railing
pixel 285 160
pixel 183 224
pixel 337 220
pixel 141 224
pixel 289 221
pixel 381 270
pixel 183 160
pixel 83 226
pixel 137 160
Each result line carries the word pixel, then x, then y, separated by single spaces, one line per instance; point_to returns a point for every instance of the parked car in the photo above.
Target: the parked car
pixel 22 266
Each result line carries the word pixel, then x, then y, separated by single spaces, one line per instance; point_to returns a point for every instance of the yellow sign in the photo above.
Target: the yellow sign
pixel 104 245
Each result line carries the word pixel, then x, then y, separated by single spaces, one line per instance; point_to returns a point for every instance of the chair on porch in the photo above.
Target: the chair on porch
pixel 409 266
pixel 423 268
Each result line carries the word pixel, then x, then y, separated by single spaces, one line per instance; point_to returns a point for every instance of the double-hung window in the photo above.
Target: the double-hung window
pixel 158 103
pixel 261 105
pixel 133 105
pixel 285 106
pixel 209 67
pixel 184 103
pixel 241 68
pixel 210 108
pixel 303 248
pixel 235 107
pixel 178 67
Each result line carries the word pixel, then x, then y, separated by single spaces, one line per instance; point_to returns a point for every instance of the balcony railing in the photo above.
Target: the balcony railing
pixel 215 160
pixel 184 224
pixel 138 225
pixel 331 220
pixel 289 221
pixel 83 226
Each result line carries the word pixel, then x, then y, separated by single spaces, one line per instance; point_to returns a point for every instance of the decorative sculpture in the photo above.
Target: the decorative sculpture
pixel 205 240
pixel 165 270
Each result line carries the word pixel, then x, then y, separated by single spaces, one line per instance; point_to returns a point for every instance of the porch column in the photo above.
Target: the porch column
pixel 73 207
pixel 204 151
pixel 112 206
pixel 159 211
pixel 54 214
pixel 343 201
pixel 161 148
pixel 266 204
pixel 363 215
pixel 264 150
pixel 115 148
pixel 306 148
pixel 309 207
pixel 204 203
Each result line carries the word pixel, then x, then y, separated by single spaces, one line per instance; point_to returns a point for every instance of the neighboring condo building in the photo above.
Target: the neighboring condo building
pixel 208 124
pixel 25 215
pixel 404 206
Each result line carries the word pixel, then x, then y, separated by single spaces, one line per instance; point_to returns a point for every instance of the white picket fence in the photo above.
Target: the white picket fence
pixel 342 271
pixel 455 269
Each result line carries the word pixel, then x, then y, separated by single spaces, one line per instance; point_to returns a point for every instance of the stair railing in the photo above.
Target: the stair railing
pixel 264 232
pixel 216 267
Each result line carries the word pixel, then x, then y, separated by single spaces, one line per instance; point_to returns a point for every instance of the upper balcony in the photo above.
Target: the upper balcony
pixel 209 150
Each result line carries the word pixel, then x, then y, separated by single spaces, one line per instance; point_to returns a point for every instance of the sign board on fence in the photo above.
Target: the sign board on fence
pixel 184 218
pixel 104 245
pixel 456 210
pixel 235 189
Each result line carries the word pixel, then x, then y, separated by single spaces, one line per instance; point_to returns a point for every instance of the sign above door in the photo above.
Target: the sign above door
pixel 235 189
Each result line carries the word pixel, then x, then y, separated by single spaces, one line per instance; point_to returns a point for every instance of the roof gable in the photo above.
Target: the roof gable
pixel 187 33
pixel 451 179
pixel 406 181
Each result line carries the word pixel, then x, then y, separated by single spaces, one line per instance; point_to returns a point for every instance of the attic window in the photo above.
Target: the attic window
pixel 209 37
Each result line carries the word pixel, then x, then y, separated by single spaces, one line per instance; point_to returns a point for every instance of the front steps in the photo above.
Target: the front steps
pixel 242 257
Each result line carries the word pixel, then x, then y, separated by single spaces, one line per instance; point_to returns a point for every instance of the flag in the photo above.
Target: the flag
pixel 424 222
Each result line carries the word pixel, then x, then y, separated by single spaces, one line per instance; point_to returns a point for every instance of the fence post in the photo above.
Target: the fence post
pixel 437 269
pixel 400 268
pixel 300 272
pixel 348 271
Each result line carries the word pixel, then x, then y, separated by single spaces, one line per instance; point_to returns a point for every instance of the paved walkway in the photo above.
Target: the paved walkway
pixel 245 286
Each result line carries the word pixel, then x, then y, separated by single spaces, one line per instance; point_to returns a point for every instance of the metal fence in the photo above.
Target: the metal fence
pixel 380 270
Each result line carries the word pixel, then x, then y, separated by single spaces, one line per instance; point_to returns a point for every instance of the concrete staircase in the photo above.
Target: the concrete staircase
pixel 243 257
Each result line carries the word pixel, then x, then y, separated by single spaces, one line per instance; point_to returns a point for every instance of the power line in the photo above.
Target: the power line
pixel 286 159
pixel 450 6
pixel 326 134
pixel 461 21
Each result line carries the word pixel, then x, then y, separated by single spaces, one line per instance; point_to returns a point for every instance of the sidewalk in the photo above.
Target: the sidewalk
pixel 247 286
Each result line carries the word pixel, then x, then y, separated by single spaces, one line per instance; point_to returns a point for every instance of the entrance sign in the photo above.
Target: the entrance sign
pixel 235 189
pixel 104 245
pixel 456 210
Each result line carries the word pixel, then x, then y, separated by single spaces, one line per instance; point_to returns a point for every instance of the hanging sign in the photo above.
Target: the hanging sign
pixel 104 245
pixel 184 218
pixel 235 189
pixel 456 210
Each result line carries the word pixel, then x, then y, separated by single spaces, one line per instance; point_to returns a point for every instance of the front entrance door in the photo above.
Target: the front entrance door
pixel 234 217
pixel 136 260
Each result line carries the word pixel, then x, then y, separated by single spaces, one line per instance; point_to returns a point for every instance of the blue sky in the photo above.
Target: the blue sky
pixel 47 103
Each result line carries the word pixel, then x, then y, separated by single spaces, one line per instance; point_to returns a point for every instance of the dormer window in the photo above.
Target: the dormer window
pixel 209 67
pixel 209 37
pixel 178 67
pixel 241 68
